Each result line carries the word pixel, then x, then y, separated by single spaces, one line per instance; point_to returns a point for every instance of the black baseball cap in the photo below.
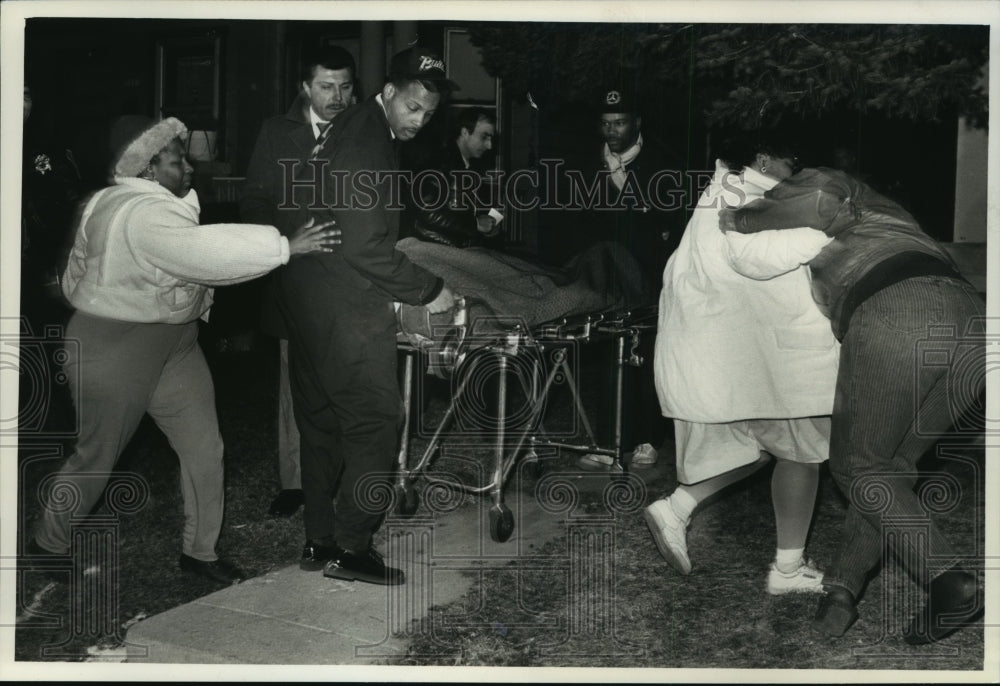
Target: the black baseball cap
pixel 418 63
pixel 618 100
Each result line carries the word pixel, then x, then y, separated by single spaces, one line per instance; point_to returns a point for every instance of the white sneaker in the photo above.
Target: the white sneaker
pixel 593 461
pixel 670 533
pixel 645 455
pixel 805 579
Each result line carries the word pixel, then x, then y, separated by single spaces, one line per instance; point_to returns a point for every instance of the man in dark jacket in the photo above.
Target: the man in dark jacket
pixel 634 208
pixel 328 80
pixel 638 210
pixel 912 363
pixel 446 197
pixel 341 320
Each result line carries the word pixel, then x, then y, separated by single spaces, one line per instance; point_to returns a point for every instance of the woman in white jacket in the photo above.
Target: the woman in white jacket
pixel 140 275
pixel 746 368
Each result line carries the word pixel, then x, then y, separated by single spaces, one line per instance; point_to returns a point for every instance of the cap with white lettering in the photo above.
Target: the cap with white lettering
pixel 419 63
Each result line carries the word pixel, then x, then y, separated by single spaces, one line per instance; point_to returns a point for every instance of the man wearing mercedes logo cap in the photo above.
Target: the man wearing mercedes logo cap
pixel 627 160
pixel 630 158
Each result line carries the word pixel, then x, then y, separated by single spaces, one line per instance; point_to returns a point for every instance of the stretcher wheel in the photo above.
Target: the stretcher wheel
pixel 501 523
pixel 408 502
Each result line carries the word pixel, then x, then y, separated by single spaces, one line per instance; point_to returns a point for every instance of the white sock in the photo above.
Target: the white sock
pixel 682 503
pixel 787 560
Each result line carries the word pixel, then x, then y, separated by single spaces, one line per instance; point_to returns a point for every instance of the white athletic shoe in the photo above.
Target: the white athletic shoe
pixel 595 462
pixel 805 579
pixel 645 455
pixel 670 533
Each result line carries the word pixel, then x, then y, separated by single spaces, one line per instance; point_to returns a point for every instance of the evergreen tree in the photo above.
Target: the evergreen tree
pixel 750 76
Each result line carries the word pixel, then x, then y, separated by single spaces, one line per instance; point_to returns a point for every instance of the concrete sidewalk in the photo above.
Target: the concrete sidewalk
pixel 293 617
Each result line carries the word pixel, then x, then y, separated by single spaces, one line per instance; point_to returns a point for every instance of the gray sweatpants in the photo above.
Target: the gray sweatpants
pixel 124 370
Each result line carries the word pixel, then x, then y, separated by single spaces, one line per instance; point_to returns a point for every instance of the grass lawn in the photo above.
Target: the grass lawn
pixel 607 600
pixel 647 615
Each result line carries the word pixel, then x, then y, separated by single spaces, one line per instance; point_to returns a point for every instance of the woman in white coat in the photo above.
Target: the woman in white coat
pixel 746 368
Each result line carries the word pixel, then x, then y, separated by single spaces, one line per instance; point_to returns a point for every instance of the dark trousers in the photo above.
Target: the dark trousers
pixel 642 419
pixel 908 370
pixel 342 363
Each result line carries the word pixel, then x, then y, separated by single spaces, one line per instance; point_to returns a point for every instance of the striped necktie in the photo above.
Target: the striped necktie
pixel 324 135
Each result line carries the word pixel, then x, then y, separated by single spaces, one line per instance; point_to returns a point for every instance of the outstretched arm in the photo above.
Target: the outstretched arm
pixel 812 198
pixel 768 254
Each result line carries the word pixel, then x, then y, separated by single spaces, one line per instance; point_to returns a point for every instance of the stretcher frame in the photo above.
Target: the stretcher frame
pixel 624 327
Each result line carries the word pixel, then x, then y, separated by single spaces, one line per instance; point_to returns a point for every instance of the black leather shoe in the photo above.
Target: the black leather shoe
pixel 286 503
pixel 836 611
pixel 315 554
pixel 366 566
pixel 952 603
pixel 220 570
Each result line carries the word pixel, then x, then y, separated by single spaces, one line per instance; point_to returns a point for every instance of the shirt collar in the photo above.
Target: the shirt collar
pixel 315 121
pixel 378 99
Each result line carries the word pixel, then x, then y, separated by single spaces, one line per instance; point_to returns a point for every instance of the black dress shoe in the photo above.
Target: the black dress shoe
pixel 220 570
pixel 315 554
pixel 836 611
pixel 365 566
pixel 952 603
pixel 286 503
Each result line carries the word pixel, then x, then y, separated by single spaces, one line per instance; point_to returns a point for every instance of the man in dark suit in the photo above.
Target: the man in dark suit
pixel 341 321
pixel 328 80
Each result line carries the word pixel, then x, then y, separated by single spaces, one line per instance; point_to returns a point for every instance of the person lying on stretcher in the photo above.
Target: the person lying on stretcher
pixel 498 285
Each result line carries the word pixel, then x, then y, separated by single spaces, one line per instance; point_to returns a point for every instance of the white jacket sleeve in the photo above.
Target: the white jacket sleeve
pixel 211 254
pixel 768 254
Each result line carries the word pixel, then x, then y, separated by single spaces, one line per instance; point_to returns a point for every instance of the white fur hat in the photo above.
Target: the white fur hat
pixel 135 140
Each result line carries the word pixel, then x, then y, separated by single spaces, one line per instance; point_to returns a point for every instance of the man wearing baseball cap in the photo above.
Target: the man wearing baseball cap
pixel 631 164
pixel 341 320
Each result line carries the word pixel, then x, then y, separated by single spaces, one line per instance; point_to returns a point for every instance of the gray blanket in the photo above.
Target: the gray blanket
pixel 499 287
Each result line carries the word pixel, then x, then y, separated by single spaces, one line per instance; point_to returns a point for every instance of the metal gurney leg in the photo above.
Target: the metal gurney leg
pixel 505 348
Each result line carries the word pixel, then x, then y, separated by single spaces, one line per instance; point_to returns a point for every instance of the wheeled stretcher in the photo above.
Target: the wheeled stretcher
pixel 534 356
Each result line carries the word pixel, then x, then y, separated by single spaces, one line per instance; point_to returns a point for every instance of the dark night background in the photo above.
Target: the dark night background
pixel 901 130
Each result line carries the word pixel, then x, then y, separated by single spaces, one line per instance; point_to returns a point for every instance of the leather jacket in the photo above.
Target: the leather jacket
pixel 439 214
